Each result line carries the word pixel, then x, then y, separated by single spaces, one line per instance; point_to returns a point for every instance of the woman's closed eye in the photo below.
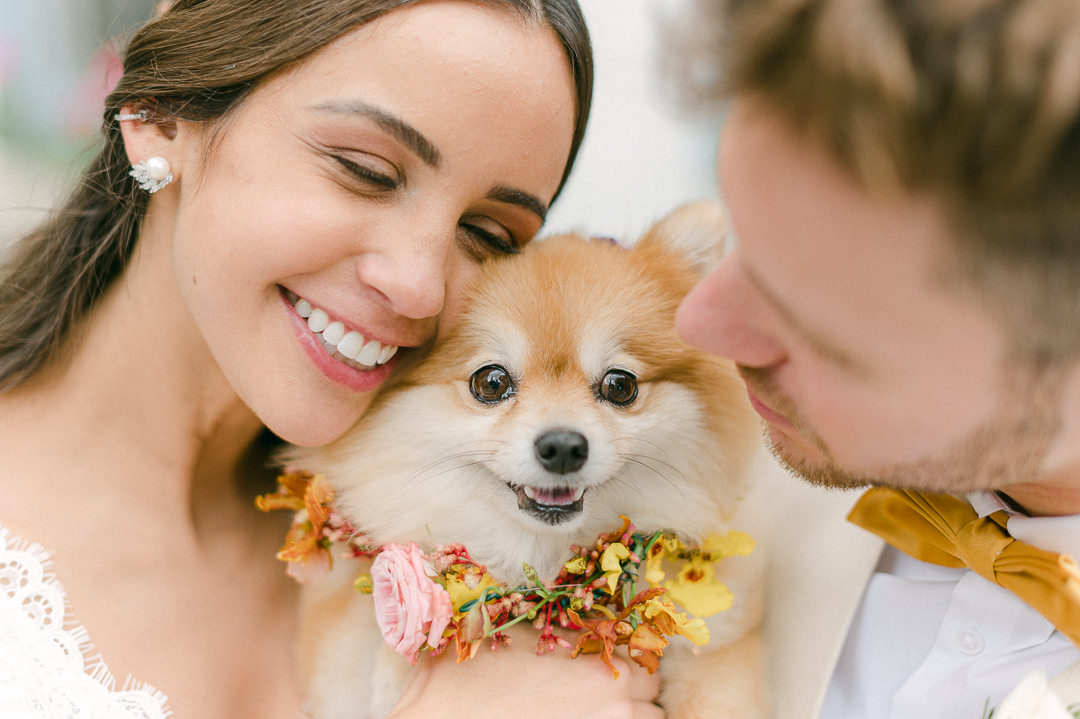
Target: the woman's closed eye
pixel 482 237
pixel 371 175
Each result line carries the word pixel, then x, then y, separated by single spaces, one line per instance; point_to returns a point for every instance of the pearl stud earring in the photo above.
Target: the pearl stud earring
pixel 152 174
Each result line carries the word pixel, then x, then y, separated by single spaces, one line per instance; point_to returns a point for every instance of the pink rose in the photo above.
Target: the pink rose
pixel 410 607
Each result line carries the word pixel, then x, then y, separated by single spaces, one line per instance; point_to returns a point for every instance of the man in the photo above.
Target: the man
pixel 902 296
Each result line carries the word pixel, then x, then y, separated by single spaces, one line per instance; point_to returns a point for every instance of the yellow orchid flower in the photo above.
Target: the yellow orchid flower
pixel 697 589
pixel 670 621
pixel 611 563
pixel 654 563
pixel 577 565
pixel 464 589
pixel 718 546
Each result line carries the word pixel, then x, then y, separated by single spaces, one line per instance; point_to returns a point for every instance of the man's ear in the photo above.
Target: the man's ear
pixel 693 231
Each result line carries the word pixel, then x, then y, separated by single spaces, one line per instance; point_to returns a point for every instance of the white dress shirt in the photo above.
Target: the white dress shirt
pixel 929 641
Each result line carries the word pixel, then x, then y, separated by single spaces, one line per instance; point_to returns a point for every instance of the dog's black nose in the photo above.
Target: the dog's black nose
pixel 562 452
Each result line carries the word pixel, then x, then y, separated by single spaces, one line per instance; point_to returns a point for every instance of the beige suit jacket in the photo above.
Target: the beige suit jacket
pixel 818 565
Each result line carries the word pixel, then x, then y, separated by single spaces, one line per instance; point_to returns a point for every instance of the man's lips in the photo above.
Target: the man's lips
pixel 767 413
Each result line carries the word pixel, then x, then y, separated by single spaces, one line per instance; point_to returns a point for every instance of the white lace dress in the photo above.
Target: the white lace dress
pixel 47 666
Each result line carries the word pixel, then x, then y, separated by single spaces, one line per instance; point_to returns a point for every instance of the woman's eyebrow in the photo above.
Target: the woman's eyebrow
pixel 520 198
pixel 425 150
pixel 403 131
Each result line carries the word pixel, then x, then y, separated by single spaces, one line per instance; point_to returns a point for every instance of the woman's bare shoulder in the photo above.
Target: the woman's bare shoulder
pixel 47 657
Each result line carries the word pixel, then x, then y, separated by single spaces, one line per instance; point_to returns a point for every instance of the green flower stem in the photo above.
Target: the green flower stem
pixel 547 597
pixel 551 598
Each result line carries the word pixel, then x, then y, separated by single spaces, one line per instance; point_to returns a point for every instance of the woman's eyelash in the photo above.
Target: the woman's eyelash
pixel 492 241
pixel 366 174
pixel 495 242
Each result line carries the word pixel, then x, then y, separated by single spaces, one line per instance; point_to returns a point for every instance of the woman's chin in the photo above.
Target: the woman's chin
pixel 316 426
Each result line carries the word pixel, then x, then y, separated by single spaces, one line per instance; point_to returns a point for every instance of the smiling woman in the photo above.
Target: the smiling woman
pixel 312 183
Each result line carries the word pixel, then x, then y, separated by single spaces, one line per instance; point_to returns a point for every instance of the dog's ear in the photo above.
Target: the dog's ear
pixel 695 231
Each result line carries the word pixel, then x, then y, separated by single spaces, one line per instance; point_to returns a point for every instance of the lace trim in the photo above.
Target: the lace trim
pixel 48 667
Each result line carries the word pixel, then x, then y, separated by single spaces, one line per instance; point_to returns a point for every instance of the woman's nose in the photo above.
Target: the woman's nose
pixel 410 270
pixel 725 316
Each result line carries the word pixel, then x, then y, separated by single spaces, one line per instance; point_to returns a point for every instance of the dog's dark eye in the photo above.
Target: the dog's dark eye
pixel 491 383
pixel 618 387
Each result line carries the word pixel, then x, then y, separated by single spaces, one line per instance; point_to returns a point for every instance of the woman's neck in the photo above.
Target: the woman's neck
pixel 139 414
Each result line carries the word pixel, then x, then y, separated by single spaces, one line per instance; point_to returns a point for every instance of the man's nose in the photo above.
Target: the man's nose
pixel 724 315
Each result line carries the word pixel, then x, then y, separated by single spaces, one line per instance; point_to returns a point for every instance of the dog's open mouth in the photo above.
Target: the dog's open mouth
pixel 553 505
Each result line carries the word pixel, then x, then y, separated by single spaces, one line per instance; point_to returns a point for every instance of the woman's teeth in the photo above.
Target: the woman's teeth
pixel 348 345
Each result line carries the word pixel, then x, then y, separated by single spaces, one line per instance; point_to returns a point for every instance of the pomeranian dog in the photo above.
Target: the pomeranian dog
pixel 562 399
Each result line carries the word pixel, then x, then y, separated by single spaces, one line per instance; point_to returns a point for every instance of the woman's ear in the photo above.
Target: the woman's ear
pixel 148 135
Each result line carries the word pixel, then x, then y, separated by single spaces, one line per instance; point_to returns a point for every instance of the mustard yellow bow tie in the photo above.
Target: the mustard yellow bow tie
pixel 942 529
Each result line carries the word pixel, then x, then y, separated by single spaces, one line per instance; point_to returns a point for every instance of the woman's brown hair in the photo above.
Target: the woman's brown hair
pixel 196 62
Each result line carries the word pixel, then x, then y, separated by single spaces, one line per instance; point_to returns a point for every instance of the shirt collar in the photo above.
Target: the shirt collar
pixel 1054 534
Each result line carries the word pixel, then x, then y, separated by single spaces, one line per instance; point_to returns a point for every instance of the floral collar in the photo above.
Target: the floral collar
pixel 428 601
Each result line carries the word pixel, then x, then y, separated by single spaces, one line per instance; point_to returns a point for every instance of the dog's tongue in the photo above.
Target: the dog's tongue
pixel 554 497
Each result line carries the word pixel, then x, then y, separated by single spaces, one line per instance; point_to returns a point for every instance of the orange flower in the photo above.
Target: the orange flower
pixel 663 615
pixel 600 636
pixel 318 498
pixel 471 630
pixel 290 493
pixel 309 566
pixel 305 549
pixel 646 646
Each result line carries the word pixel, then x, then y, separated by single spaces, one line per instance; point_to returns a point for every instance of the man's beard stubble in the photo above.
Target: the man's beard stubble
pixel 1007 449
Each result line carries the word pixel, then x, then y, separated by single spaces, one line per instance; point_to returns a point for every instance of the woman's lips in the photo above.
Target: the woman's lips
pixel 340 341
pixel 335 367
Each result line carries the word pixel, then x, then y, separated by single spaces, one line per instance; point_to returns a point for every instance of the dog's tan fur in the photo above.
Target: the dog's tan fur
pixel 431 464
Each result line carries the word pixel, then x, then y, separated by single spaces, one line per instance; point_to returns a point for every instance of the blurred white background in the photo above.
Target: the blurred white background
pixel 641 156
pixel 57 60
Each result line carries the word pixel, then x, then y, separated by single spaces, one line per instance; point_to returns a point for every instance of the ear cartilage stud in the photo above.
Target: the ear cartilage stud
pixel 140 115
pixel 152 174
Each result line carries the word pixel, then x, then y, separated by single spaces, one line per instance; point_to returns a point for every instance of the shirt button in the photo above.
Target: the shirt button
pixel 970 641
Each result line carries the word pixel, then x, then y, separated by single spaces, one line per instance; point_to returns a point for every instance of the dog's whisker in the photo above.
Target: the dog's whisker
pixel 645 459
pixel 448 470
pixel 470 457
pixel 640 460
pixel 642 440
pixel 441 468
pixel 658 461
pixel 456 456
pixel 635 459
pixel 618 479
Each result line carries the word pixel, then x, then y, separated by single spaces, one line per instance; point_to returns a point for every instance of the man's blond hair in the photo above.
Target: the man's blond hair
pixel 976 102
